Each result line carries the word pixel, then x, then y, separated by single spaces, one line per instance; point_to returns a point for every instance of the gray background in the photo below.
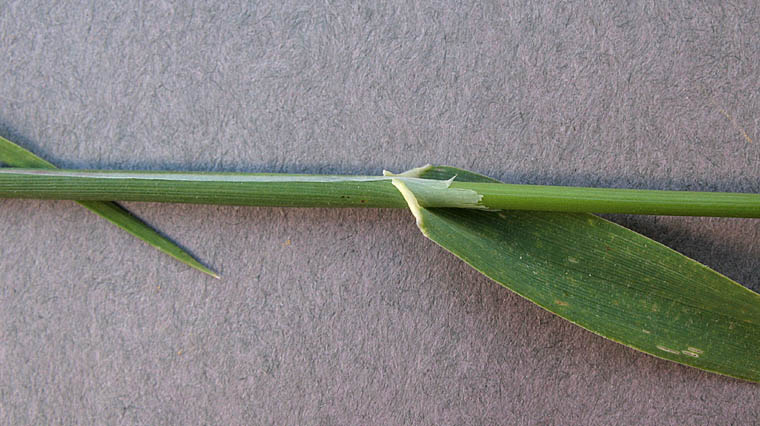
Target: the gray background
pixel 351 316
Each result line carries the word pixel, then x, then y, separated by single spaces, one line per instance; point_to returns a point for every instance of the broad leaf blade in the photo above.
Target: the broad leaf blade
pixel 16 156
pixel 609 280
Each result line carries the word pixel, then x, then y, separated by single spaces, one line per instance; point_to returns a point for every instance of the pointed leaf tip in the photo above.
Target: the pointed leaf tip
pixel 15 156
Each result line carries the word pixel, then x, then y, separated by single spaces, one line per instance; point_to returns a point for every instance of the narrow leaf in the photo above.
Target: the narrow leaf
pixel 16 156
pixel 607 279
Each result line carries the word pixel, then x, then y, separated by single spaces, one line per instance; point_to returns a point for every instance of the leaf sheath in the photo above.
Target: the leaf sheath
pixel 356 191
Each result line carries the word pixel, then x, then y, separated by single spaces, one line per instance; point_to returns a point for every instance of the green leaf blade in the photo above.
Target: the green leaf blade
pixel 124 219
pixel 608 280
pixel 16 156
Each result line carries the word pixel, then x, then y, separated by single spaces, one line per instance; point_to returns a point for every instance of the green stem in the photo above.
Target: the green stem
pixel 614 200
pixel 357 191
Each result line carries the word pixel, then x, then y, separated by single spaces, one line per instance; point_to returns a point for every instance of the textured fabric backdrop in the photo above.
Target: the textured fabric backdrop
pixel 351 316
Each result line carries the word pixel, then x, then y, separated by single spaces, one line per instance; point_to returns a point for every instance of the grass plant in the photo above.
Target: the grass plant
pixel 541 242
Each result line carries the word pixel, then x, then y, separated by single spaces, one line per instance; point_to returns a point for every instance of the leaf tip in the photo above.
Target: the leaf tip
pixel 205 270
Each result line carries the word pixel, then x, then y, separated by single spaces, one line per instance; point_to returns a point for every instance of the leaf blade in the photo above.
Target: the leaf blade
pixel 16 156
pixel 609 280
